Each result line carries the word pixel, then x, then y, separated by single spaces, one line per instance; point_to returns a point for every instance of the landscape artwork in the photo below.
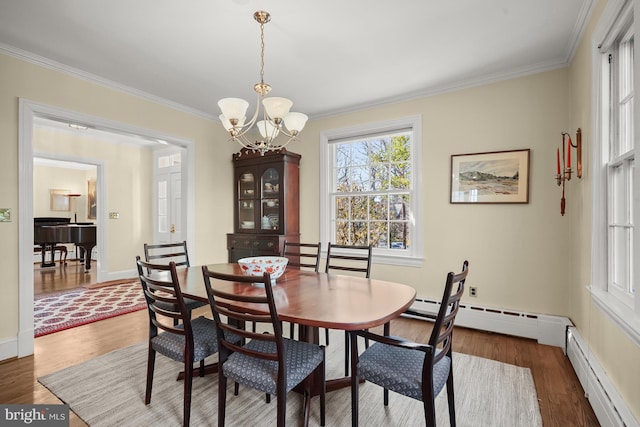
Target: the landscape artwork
pixel 494 177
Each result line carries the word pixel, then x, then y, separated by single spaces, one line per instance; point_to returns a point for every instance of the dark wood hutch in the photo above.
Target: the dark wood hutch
pixel 266 203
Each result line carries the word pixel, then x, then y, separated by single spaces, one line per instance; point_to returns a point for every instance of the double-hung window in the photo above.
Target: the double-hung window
pixel 370 189
pixel 615 176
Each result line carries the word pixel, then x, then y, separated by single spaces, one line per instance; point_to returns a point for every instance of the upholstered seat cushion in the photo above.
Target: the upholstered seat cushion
pixel 301 358
pixel 400 369
pixel 205 341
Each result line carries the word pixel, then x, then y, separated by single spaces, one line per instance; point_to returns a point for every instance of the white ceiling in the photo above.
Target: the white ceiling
pixel 328 56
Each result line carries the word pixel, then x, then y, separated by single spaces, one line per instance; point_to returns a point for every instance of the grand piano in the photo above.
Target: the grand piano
pixel 49 231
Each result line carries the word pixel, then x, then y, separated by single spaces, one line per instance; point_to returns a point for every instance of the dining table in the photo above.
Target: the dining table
pixel 313 300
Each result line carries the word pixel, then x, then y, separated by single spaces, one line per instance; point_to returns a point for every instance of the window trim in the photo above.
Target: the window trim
pixel 414 256
pixel 626 317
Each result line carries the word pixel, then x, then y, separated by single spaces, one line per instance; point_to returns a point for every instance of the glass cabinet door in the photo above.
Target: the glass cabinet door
pixel 246 201
pixel 270 200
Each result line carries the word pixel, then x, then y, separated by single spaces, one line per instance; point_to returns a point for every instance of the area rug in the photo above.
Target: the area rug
pixel 109 391
pixel 64 310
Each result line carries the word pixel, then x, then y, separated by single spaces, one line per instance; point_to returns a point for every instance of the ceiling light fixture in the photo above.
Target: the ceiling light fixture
pixel 276 118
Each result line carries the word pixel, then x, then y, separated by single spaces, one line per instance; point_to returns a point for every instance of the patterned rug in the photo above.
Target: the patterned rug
pixel 65 310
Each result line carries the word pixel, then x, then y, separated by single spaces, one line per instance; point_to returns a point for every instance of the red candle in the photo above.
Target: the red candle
pixel 569 154
pixel 558 161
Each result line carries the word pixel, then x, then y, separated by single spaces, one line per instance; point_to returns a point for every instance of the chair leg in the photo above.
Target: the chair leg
pixel 236 389
pixel 282 408
pixel 385 397
pixel 292 330
pixel 451 399
pixel 326 336
pixel 151 362
pixel 222 397
pixel 323 392
pixel 354 381
pixel 346 353
pixel 202 368
pixel 188 381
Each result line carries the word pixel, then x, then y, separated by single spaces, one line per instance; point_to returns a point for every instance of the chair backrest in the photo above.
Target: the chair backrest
pixel 166 252
pixel 236 318
pixel 165 302
pixel 443 326
pixel 302 255
pixel 349 258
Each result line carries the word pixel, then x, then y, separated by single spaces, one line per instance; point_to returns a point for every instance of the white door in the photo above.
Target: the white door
pixel 169 206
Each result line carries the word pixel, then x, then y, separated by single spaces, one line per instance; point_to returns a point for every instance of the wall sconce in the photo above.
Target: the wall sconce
pixel 564 170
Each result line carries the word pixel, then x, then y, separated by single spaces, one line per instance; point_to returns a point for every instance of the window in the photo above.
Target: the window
pixel 369 187
pixel 613 281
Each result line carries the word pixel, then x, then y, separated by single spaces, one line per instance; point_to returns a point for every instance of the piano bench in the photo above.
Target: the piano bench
pixel 61 248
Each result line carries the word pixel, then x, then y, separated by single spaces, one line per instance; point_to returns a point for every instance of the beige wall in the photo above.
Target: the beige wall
pixel 517 253
pixel 617 354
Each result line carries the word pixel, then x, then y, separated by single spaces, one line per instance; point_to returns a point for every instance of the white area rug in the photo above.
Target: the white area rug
pixel 109 391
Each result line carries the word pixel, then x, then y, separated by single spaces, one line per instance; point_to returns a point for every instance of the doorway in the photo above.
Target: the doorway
pixel 29 112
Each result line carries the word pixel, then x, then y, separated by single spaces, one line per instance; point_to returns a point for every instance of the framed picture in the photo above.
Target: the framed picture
pixel 59 200
pixel 92 201
pixel 492 177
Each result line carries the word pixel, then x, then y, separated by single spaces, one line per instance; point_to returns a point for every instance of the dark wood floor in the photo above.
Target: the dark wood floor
pixel 560 396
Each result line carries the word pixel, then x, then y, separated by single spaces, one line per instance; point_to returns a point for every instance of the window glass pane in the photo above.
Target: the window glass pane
pixel 378 207
pixel 358 234
pixel 359 207
pixel 343 207
pixel 618 195
pixel 399 235
pixel 379 235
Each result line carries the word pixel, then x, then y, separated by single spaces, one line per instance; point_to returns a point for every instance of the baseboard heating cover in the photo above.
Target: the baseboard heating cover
pixel 607 404
pixel 548 330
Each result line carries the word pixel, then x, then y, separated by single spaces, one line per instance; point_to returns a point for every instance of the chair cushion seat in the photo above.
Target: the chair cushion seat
pixel 301 359
pixel 205 341
pixel 400 369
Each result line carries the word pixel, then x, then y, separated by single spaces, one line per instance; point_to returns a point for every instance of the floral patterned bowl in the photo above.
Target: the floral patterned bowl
pixel 257 266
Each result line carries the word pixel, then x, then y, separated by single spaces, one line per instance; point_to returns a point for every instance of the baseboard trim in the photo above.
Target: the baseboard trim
pixel 8 348
pixel 609 407
pixel 548 330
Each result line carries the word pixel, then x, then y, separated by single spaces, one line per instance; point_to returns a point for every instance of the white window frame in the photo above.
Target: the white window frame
pixel 412 256
pixel 624 310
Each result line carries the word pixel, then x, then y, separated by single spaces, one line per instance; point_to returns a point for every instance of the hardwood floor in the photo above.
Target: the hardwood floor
pixel 560 396
pixel 62 277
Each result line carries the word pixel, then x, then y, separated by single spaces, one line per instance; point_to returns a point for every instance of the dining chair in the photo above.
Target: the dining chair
pixel 355 258
pixel 166 252
pixel 412 369
pixel 268 362
pixel 188 341
pixel 303 256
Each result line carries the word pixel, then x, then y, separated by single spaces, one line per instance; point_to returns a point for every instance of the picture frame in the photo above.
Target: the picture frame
pixel 59 200
pixel 490 177
pixel 92 201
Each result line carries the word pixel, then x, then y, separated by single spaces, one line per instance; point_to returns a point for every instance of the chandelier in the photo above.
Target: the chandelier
pixel 276 120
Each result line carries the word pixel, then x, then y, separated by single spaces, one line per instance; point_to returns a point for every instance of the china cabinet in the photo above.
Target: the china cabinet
pixel 266 203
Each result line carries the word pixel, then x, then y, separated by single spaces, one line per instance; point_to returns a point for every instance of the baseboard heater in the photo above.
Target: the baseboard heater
pixel 607 404
pixel 548 330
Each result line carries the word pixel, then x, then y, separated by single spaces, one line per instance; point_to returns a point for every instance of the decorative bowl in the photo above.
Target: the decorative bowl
pixel 257 266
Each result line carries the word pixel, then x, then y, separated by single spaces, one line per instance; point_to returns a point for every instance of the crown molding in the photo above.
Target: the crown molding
pixel 92 78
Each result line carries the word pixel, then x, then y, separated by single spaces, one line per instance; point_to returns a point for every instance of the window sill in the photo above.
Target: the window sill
pixel 620 313
pixel 406 261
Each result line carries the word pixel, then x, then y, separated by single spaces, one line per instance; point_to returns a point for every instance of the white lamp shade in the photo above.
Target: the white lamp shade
pixel 267 129
pixel 276 107
pixel 295 121
pixel 233 108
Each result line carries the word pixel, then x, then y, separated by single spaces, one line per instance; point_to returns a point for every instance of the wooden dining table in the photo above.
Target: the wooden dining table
pixel 313 300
